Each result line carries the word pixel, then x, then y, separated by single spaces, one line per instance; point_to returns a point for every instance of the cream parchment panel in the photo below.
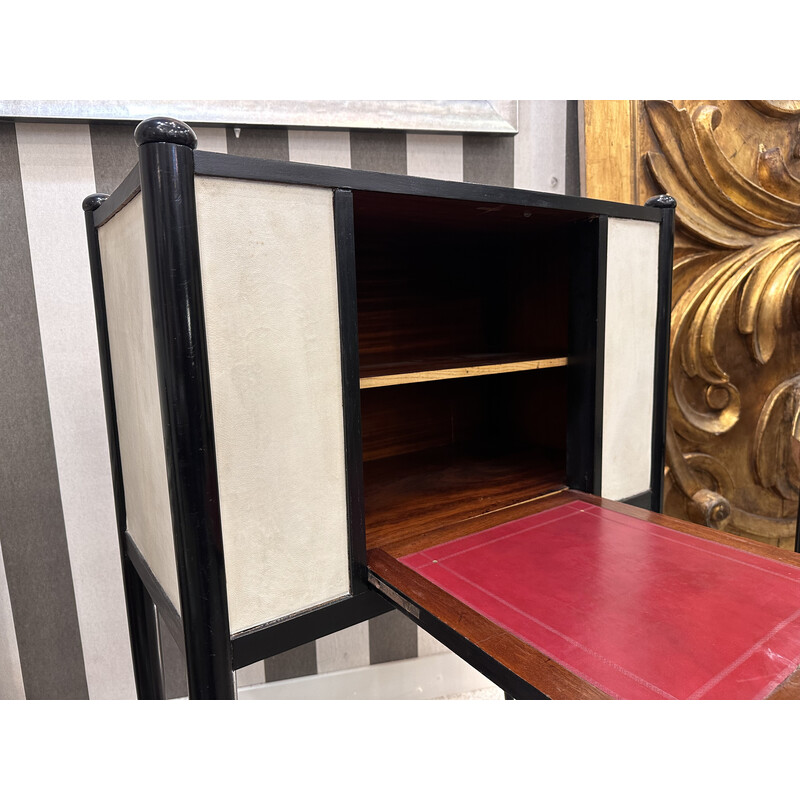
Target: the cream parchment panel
pixel 136 396
pixel 631 309
pixel 272 322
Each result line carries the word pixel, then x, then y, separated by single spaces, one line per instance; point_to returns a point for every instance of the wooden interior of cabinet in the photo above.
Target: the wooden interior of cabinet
pixel 463 334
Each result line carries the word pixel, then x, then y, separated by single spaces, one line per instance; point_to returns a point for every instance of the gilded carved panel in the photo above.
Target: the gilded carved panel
pixel 734 382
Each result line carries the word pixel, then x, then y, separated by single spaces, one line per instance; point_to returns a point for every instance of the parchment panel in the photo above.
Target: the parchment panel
pixel 133 359
pixel 631 299
pixel 272 323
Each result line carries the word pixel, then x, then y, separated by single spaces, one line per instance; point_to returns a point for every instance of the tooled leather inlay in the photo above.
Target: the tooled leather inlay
pixel 639 610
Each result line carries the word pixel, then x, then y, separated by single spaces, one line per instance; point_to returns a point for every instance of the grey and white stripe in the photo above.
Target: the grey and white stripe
pixel 63 632
pixel 36 557
pixel 57 172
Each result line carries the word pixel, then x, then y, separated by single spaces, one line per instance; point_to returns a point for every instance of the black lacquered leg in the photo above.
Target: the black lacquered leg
pixel 166 166
pixel 145 644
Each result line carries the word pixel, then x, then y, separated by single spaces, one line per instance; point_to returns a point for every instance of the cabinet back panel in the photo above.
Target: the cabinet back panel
pixel 495 413
pixel 413 417
pixel 464 287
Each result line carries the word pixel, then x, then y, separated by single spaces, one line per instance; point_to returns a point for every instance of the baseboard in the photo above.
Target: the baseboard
pixel 424 678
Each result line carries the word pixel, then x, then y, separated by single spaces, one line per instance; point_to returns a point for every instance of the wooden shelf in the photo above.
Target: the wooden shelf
pixel 440 369
pixel 412 494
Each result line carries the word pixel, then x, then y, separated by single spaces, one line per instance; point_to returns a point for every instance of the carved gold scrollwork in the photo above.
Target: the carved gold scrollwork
pixel 737 262
pixel 774 464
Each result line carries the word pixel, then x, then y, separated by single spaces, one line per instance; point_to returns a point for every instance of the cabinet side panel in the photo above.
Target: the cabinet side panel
pixel 133 363
pixel 631 306
pixel 272 322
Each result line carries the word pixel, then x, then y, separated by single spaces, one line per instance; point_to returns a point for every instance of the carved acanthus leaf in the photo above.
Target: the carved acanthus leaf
pixel 756 229
pixel 741 194
pixel 774 466
pixel 774 175
pixel 739 215
pixel 777 108
pixel 718 204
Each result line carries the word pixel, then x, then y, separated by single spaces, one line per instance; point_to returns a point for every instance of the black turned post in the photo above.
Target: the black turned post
pixel 141 611
pixel 166 165
pixel 667 205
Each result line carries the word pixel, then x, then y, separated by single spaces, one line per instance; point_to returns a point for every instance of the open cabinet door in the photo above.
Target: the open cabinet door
pixel 574 596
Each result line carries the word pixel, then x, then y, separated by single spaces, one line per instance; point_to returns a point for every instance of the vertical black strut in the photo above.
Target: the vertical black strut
pixel 141 611
pixel 667 205
pixel 166 165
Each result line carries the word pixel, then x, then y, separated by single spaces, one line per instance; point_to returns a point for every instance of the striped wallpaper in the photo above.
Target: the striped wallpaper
pixel 63 632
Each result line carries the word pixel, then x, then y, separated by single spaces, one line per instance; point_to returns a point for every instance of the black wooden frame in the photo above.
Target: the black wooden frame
pixel 165 177
pixel 141 609
pixel 666 205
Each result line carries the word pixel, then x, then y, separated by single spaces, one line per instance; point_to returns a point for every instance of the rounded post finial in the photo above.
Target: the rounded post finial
pixel 94 201
pixel 165 129
pixel 662 201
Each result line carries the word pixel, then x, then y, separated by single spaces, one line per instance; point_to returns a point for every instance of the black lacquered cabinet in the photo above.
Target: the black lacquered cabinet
pixel 305 363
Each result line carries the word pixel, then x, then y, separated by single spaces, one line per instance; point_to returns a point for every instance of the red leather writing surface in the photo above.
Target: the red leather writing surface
pixel 638 610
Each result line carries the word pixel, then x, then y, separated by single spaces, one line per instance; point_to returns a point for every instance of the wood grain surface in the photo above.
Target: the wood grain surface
pixel 416 494
pixel 447 369
pixel 501 646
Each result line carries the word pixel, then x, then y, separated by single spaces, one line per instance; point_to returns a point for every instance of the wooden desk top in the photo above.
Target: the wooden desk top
pixel 587 598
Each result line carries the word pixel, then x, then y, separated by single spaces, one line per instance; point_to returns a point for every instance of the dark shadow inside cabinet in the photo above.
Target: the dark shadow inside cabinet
pixel 464 339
